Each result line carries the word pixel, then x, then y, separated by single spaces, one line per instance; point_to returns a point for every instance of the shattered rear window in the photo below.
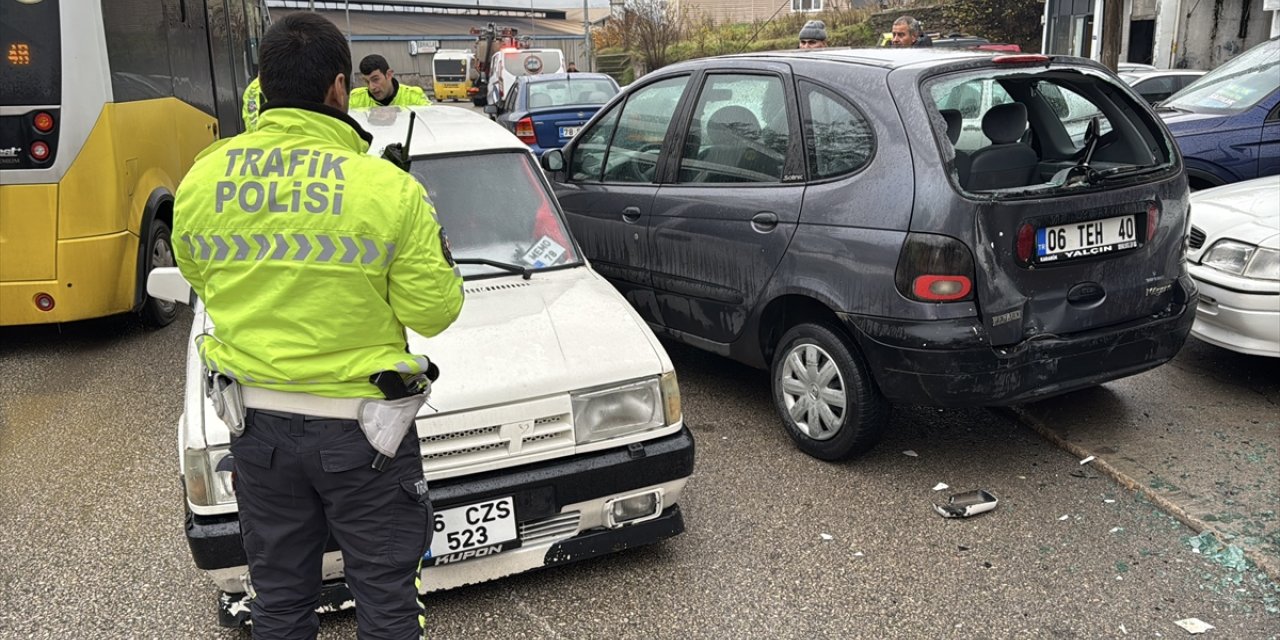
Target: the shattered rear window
pixel 1081 130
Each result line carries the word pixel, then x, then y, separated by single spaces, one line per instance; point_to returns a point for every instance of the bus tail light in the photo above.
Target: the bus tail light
pixel 39 151
pixel 43 122
pixel 524 131
pixel 43 301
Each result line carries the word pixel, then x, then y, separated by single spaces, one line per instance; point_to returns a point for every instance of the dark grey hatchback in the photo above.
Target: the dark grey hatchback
pixel 890 226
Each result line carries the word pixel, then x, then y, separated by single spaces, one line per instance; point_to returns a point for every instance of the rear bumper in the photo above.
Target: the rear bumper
pixel 559 508
pixel 965 371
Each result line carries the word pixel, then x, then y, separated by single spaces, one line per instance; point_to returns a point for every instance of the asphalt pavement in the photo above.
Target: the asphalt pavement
pixel 779 545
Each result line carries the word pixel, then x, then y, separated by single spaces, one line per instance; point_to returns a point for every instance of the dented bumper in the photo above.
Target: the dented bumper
pixel 548 497
pixel 949 364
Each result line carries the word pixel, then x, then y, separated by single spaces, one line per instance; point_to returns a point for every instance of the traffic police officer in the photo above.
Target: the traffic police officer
pixel 311 258
pixel 384 90
pixel 251 105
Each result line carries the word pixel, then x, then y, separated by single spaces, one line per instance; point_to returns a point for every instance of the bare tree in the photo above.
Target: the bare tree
pixel 652 26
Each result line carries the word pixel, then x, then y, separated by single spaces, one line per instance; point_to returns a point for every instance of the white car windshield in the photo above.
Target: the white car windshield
pixel 494 207
pixel 1235 86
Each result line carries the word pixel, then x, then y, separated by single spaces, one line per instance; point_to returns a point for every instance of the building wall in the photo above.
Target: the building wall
pixel 1190 36
pixel 416 70
pixel 731 11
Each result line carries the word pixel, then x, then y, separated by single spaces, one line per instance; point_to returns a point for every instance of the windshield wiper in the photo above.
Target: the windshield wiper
pixel 1123 172
pixel 525 272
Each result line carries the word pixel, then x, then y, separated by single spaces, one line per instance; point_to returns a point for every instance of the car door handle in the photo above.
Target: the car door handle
pixel 631 214
pixel 765 221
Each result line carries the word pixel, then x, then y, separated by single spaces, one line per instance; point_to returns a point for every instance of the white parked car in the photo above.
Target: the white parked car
pixel 555 399
pixel 1156 85
pixel 1234 256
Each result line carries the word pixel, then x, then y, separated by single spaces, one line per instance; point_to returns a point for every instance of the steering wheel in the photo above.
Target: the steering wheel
pixel 638 170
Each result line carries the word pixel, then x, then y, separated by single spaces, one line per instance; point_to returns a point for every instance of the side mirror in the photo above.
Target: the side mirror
pixel 491 109
pixel 167 283
pixel 553 160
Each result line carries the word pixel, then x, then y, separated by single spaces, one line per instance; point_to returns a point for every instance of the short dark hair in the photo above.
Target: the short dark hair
pixel 373 62
pixel 301 54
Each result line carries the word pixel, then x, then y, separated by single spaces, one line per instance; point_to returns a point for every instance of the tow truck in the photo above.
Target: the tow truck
pixel 502 55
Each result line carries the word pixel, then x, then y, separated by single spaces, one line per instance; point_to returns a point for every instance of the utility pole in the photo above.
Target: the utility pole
pixel 1112 32
pixel 586 32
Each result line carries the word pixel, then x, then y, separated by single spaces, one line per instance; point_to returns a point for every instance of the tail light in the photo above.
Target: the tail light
pixel 1021 58
pixel 473 90
pixel 1026 243
pixel 524 130
pixel 941 288
pixel 935 268
pixel 1153 220
pixel 43 301
pixel 43 122
pixel 39 151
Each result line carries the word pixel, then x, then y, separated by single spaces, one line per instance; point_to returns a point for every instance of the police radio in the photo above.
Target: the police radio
pixel 398 153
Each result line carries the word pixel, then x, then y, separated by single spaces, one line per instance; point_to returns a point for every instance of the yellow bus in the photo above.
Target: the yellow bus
pixel 452 71
pixel 104 105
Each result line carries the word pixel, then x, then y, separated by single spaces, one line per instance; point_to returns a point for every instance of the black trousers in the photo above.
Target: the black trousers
pixel 299 478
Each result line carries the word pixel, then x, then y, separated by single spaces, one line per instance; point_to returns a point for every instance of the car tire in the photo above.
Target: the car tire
pixel 814 370
pixel 159 253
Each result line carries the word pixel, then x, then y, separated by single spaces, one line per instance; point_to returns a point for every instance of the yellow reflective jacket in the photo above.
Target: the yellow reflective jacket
pixel 252 104
pixel 406 96
pixel 311 257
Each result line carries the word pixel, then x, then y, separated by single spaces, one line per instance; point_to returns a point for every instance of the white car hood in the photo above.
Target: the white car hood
pixel 515 340
pixel 519 339
pixel 1248 211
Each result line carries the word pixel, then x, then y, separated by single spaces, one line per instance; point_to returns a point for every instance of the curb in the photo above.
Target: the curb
pixel 1265 563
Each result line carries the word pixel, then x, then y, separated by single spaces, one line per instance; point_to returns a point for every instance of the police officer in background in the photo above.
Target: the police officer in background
pixel 384 90
pixel 311 258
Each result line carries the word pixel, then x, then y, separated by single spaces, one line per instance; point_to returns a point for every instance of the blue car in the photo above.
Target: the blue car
pixel 1227 123
pixel 546 111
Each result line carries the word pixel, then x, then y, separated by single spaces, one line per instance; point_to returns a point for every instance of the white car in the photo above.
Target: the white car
pixel 1156 85
pixel 554 399
pixel 1234 256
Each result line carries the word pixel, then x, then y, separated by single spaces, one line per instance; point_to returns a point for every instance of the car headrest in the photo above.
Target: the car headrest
pixel 728 124
pixel 954 122
pixel 1005 123
pixel 539 100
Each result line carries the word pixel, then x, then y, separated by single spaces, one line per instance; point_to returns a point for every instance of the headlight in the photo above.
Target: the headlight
pixel 206 486
pixel 1242 259
pixel 1229 256
pixel 1265 265
pixel 609 412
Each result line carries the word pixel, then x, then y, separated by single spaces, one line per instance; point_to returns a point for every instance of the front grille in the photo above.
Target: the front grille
pixel 496 437
pixel 561 525
pixel 1196 239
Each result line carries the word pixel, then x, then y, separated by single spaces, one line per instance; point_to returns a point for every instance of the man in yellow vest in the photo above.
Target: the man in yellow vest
pixel 251 105
pixel 311 258
pixel 384 90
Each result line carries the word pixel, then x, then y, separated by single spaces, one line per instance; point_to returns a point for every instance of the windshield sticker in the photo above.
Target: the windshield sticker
pixel 544 253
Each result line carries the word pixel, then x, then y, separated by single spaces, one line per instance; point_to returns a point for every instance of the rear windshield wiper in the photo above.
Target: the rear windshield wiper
pixel 525 272
pixel 1123 172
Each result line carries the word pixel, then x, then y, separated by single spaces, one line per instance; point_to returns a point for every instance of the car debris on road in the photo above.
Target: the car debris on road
pixel 969 503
